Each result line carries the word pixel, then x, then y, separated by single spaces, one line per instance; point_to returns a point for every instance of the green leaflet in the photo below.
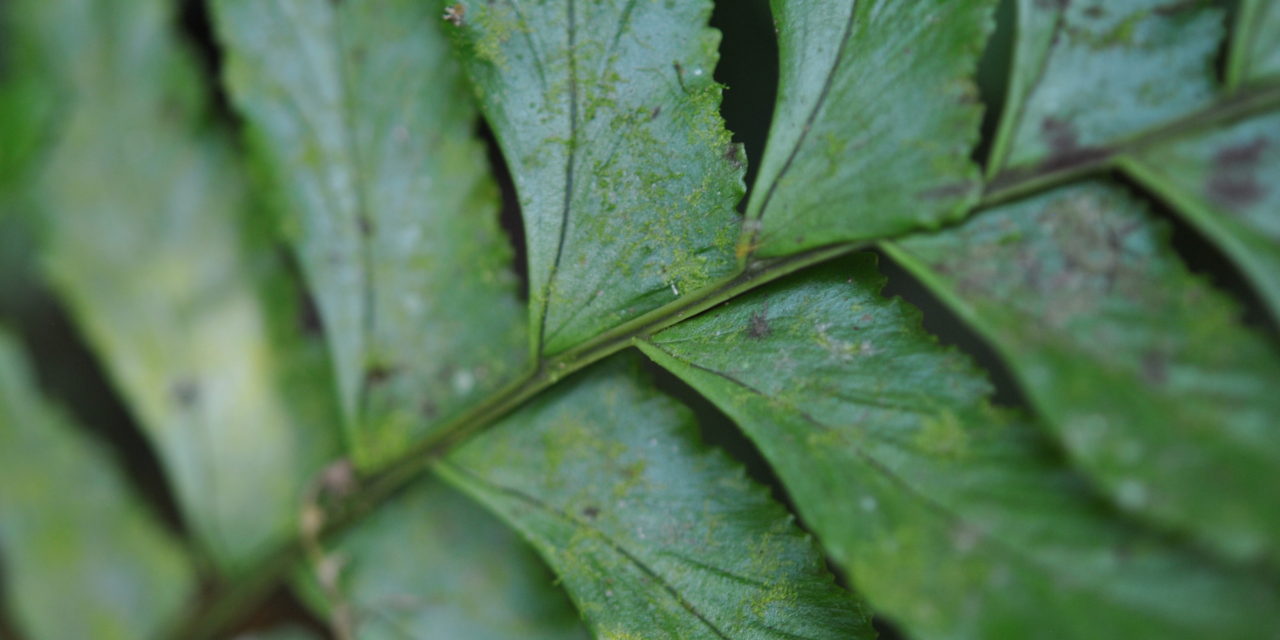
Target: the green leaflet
pixel 653 535
pixel 1255 53
pixel 955 519
pixel 1141 368
pixel 1087 75
pixel 146 245
pixel 72 535
pixel 608 117
pixel 877 115
pixel 392 212
pixel 432 564
pixel 1226 183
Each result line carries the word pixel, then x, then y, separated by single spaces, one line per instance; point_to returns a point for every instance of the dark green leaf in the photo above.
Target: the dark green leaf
pixel 653 535
pixel 1255 53
pixel 954 518
pixel 74 539
pixel 1087 75
pixel 391 210
pixel 1227 183
pixel 608 116
pixel 432 564
pixel 877 115
pixel 1143 371
pixel 147 247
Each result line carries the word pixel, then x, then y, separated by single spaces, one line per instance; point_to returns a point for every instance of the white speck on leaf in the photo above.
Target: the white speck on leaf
pixel 463 381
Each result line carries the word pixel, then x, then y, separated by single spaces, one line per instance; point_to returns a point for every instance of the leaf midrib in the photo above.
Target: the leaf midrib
pixel 376 487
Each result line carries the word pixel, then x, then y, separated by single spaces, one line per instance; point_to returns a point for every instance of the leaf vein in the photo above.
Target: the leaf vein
pixel 566 208
pixel 810 120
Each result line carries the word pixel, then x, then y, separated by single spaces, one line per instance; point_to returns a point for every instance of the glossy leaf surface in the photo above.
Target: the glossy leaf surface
pixel 1143 370
pixel 954 518
pixel 1255 53
pixel 390 206
pixel 876 119
pixel 666 539
pixel 1074 88
pixel 1227 183
pixel 607 115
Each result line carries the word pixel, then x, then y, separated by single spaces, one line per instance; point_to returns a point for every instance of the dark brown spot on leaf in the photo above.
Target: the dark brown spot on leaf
pixel 1233 182
pixel 1242 155
pixel 679 76
pixel 1060 135
pixel 185 392
pixel 378 374
pixel 758 326
pixel 1064 146
pixel 733 153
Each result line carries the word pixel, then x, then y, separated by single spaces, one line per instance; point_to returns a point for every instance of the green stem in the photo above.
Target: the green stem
pixel 227 602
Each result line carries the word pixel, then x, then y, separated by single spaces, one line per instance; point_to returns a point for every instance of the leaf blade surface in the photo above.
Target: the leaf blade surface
pixel 607 115
pixel 876 106
pixel 1073 88
pixel 1255 56
pixel 1143 371
pixel 667 540
pixel 953 518
pixel 1224 182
